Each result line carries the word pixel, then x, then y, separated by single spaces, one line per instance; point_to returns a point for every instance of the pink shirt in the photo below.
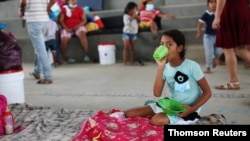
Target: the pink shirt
pixel 146 16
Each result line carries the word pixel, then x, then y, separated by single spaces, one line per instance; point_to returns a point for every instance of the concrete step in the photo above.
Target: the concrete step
pixel 186 14
pixel 120 4
pixel 114 4
pixel 178 2
pixel 145 46
pixel 15 26
pixel 180 22
pixel 9 9
pixel 183 10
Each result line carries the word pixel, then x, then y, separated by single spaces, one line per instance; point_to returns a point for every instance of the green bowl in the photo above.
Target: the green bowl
pixel 170 106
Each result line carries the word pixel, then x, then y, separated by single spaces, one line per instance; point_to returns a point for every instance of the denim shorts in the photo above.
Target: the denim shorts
pixel 50 44
pixel 128 36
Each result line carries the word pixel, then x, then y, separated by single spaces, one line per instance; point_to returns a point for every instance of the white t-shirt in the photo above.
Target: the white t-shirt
pixel 130 25
pixel 182 81
pixel 51 31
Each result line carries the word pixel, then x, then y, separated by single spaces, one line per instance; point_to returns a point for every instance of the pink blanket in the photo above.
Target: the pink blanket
pixel 103 127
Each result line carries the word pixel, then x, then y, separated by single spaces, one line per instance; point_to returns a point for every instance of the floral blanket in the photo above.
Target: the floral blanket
pixel 41 123
pixel 106 126
pixel 103 127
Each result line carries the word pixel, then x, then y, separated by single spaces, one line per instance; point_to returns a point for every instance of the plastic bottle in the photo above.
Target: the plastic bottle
pixel 98 21
pixel 8 122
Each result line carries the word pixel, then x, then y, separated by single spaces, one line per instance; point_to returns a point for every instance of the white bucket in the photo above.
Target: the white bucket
pixel 106 53
pixel 12 87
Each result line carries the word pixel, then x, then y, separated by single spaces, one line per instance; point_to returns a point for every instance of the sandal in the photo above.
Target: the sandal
pixel 229 86
pixel 44 81
pixel 34 75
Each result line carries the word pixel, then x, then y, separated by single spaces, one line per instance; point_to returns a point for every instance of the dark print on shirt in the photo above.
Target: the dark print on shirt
pixel 181 82
pixel 180 77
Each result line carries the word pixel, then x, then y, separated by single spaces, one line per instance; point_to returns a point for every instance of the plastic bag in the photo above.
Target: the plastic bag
pixel 10 52
pixel 3 105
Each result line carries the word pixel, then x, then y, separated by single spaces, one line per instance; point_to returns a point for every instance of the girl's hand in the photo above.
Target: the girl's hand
pixel 135 16
pixel 69 29
pixel 21 14
pixel 216 23
pixel 76 28
pixel 162 62
pixel 187 112
pixel 198 36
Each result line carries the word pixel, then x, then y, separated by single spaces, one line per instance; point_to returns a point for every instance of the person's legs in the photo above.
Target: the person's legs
pixel 65 37
pixel 217 59
pixel 125 51
pixel 154 30
pixel 126 44
pixel 36 32
pixel 232 64
pixel 208 43
pixel 244 54
pixel 49 48
pixel 160 119
pixel 51 44
pixel 145 111
pixel 132 40
pixel 58 44
pixel 132 51
pixel 153 27
pixel 232 67
pixel 37 68
pixel 81 34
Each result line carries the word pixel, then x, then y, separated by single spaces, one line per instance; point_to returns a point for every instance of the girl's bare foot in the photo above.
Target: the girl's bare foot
pixel 214 64
pixel 217 62
pixel 246 65
pixel 207 70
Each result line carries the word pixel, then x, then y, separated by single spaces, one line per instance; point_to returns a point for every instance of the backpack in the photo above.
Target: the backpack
pixel 3 105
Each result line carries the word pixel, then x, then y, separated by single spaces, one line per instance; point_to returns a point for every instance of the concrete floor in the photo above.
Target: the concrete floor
pixel 95 86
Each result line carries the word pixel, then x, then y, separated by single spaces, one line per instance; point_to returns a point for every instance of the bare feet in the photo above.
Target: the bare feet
pixel 207 70
pixel 246 65
pixel 217 62
pixel 214 64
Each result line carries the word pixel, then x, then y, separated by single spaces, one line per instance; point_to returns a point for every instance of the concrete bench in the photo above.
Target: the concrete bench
pixel 112 31
pixel 114 25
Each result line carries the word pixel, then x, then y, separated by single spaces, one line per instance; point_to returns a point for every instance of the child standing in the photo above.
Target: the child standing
pixel 185 79
pixel 50 41
pixel 212 53
pixel 130 30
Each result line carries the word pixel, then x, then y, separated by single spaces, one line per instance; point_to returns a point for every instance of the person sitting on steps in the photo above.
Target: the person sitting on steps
pixel 148 14
pixel 72 20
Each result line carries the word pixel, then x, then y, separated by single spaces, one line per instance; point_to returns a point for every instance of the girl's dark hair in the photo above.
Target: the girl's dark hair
pixel 208 1
pixel 131 5
pixel 179 38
